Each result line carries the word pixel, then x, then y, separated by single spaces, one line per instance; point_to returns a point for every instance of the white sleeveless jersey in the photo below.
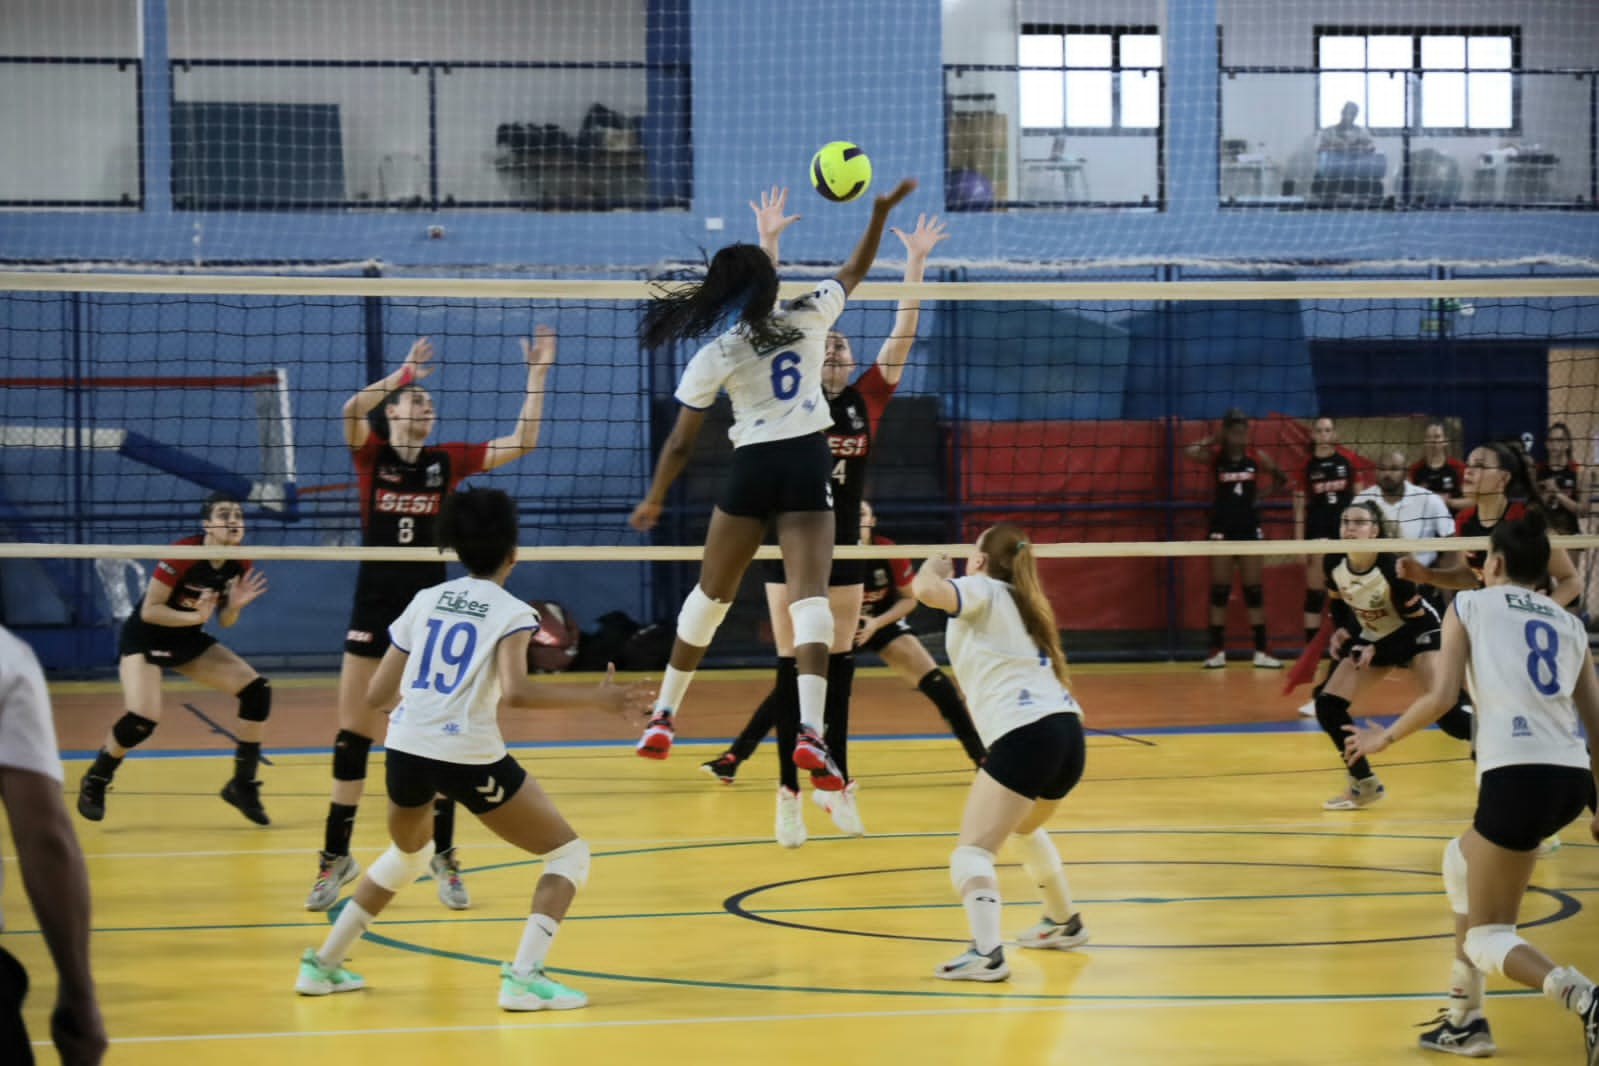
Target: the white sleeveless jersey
pixel 450 692
pixel 776 394
pixel 1006 678
pixel 1526 656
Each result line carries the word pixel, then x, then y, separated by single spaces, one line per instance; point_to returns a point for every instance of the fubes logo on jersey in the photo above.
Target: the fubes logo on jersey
pixel 391 502
pixel 1525 601
pixel 460 603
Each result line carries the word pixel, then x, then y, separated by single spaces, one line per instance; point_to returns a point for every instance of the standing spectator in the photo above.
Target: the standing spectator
pixel 1560 482
pixel 1409 509
pixel 1235 515
pixel 1437 470
pixel 53 873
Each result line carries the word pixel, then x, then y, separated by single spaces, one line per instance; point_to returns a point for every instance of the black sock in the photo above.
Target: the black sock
pixel 1260 637
pixel 105 765
pixel 1333 714
pixel 1310 633
pixel 835 728
pixel 246 759
pixel 787 720
pixel 756 728
pixel 1218 639
pixel 937 687
pixel 340 827
pixel 443 825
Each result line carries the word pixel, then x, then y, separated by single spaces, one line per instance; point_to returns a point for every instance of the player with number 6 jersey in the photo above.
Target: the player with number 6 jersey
pixel 403 483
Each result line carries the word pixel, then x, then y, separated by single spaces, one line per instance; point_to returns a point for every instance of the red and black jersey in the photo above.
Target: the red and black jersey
pixel 1329 485
pixel 856 411
pixel 1444 480
pixel 400 501
pixel 1468 524
pixel 1235 506
pixel 884 579
pixel 1565 481
pixel 188 579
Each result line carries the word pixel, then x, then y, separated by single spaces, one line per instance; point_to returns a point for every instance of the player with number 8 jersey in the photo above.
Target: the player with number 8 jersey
pixel 403 482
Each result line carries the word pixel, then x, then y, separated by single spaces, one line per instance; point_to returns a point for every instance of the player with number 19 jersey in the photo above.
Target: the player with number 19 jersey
pixel 450 691
pixel 1526 655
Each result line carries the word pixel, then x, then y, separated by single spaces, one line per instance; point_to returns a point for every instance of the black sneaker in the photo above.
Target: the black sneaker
pixel 724 767
pixel 246 796
pixel 1473 1040
pixel 91 796
pixel 1590 1026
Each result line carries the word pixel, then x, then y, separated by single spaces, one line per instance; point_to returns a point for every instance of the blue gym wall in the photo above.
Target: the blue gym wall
pixel 832 81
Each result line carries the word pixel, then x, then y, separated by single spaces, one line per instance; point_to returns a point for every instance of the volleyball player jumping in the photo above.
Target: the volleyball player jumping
pixel 770 363
pixel 403 482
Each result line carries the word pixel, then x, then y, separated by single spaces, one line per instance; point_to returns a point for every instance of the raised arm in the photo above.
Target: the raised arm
pixel 540 356
pixel 933 585
pixel 357 407
pixel 860 260
pixel 1200 450
pixel 674 457
pixel 770 222
pixel 897 348
pixel 242 591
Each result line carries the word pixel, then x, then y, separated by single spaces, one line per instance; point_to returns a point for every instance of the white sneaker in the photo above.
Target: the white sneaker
pixel 841 805
pixel 969 965
pixel 790 818
pixel 1062 936
pixel 1217 661
pixel 1308 708
pixel 1361 793
pixel 1267 662
pixel 1547 847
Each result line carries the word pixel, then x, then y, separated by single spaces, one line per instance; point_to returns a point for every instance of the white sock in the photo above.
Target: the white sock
pixel 1041 860
pixel 812 700
pixel 982 914
pixel 1569 988
pixel 1466 985
pixel 673 685
pixel 537 934
pixel 351 924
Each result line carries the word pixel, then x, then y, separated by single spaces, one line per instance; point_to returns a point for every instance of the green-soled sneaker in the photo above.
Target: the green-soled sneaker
pixel 318 980
pixel 537 991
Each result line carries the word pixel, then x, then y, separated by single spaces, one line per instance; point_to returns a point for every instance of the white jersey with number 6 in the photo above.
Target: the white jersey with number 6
pixel 776 394
pixel 450 691
pixel 1526 656
pixel 1006 677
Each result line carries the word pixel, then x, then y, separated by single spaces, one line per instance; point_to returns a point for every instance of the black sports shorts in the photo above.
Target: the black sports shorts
pixel 1042 759
pixel 413 781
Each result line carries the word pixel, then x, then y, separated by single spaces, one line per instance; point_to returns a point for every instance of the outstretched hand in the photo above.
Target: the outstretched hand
pixel 416 360
pixel 631 701
pixel 930 229
pixel 1364 740
pixel 540 354
pixel 890 200
pixel 770 222
pixel 246 588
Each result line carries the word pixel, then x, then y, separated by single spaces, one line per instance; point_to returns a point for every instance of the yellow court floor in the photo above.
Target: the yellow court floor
pixel 1233 921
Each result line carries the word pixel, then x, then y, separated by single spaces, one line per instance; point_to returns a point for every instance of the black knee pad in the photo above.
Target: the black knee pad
pixel 255 701
pixel 131 729
pixel 1315 600
pixel 350 751
pixel 1333 714
pixel 1219 595
pixel 1254 596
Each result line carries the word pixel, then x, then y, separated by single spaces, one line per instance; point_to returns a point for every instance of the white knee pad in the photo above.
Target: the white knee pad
pixel 697 621
pixel 1455 876
pixel 1487 946
pixel 395 869
pixel 1040 858
pixel 967 862
pixel 571 861
pixel 812 620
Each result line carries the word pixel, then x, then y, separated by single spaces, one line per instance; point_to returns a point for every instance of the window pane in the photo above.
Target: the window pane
pixel 1492 53
pixel 1140 100
pixel 1445 52
pixel 1389 53
pixel 1443 101
pixel 1343 52
pixel 1336 90
pixel 1088 49
pixel 1088 98
pixel 1488 101
pixel 1039 50
pixel 1385 101
pixel 1042 102
pixel 1140 50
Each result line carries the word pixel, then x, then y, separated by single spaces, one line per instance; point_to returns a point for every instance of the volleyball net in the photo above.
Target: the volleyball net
pixel 1065 406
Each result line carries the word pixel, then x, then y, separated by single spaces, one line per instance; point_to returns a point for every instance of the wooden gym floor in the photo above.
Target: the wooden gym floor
pixel 1233 920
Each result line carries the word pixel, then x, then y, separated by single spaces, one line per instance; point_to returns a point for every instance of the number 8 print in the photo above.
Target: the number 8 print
pixel 1544 645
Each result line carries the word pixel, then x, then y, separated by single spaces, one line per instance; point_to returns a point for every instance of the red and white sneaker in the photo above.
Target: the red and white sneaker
pixel 656 743
pixel 810 753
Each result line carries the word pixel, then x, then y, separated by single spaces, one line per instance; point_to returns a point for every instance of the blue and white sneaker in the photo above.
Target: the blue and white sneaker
pixel 1472 1040
pixel 972 965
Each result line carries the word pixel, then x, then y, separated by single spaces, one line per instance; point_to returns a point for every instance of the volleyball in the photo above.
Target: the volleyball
pixel 840 171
